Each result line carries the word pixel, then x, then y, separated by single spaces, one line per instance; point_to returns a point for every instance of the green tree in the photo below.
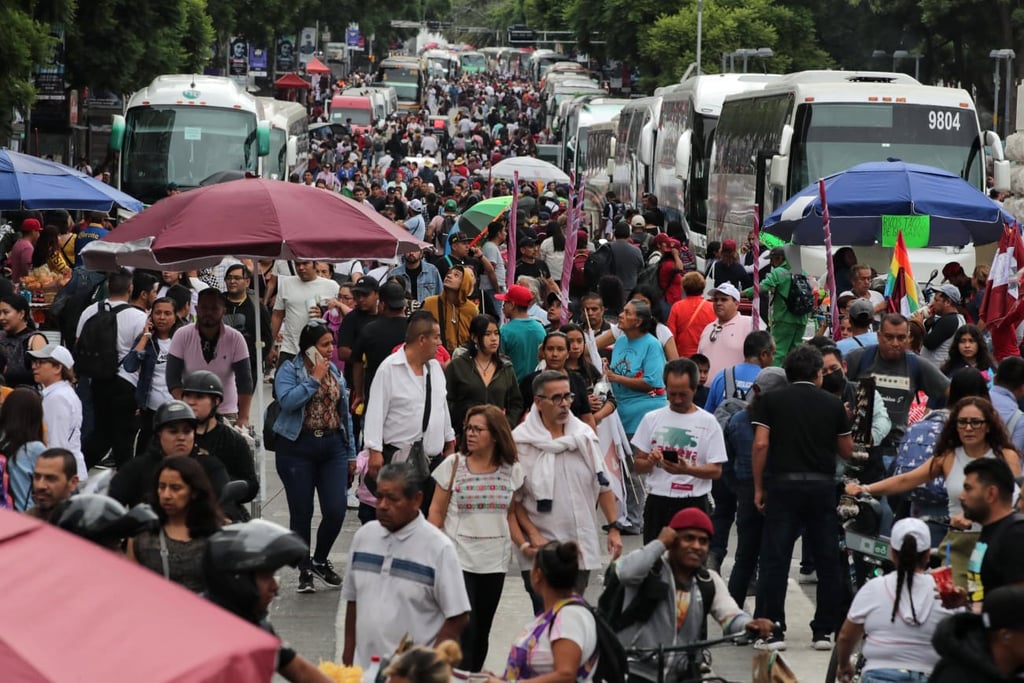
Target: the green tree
pixel 24 42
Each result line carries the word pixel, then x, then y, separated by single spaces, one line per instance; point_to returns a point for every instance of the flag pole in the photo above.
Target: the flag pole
pixel 826 226
pixel 513 220
pixel 570 250
pixel 756 309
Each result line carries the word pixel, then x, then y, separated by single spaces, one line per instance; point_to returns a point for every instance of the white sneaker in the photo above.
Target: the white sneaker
pixel 821 642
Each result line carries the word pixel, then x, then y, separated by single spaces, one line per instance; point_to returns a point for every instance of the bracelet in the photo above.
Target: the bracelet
pixel 523 548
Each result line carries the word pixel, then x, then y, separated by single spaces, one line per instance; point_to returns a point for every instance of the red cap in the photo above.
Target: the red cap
pixel 517 295
pixel 662 239
pixel 729 245
pixel 692 518
pixel 31 225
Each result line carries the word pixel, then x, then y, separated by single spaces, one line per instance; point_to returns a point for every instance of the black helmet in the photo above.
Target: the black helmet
pixel 173 411
pixel 103 520
pixel 237 551
pixel 203 382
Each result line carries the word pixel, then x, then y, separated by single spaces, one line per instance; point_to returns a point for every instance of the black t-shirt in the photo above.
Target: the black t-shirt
pixel 537 269
pixel 351 327
pixel 1000 554
pixel 940 329
pixel 804 421
pixel 577 385
pixel 376 342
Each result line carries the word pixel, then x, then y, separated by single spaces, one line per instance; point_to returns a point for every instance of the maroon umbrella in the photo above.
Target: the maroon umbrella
pixel 249 218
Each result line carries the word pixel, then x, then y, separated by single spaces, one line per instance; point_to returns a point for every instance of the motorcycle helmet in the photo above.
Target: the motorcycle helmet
pixel 103 520
pixel 203 382
pixel 237 551
pixel 868 520
pixel 173 411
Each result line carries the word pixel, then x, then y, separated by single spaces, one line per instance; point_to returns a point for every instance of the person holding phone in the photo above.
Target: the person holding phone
pixel 149 357
pixel 315 450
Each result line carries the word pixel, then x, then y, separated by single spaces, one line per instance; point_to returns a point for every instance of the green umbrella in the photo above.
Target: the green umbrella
pixel 475 219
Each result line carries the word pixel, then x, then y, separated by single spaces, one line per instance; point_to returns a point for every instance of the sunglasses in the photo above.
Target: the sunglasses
pixel 715 331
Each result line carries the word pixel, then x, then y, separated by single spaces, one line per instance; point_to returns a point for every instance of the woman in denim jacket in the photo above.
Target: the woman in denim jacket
pixel 314 447
pixel 149 358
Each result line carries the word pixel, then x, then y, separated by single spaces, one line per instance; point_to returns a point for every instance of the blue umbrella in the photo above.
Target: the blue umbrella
pixel 28 182
pixel 868 203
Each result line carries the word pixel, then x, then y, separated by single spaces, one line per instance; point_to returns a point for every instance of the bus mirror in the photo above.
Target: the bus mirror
pixel 1001 175
pixel 785 140
pixel 646 142
pixel 683 156
pixel 779 172
pixel 117 133
pixel 610 168
pixel 292 151
pixel 611 148
pixel 263 138
pixel 994 144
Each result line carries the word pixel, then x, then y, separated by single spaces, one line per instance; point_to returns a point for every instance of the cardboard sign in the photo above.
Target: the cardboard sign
pixel 916 230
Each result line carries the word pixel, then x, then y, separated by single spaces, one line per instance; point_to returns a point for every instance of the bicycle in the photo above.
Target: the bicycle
pixel 698 670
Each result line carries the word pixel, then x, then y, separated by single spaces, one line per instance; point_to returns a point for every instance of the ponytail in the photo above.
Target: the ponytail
pixel 909 559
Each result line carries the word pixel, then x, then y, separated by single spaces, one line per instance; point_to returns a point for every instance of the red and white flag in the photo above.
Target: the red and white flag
pixel 1002 291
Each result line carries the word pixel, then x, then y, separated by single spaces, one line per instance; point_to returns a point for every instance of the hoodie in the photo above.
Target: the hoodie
pixel 962 642
pixel 454 311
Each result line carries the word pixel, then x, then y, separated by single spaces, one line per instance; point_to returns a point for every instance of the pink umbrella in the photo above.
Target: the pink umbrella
pixel 249 218
pixel 82 613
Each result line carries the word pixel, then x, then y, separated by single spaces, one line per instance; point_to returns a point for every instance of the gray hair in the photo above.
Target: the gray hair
pixel 402 473
pixel 643 311
pixel 532 284
pixel 547 376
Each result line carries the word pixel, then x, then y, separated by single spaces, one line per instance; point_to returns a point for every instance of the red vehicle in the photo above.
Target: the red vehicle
pixel 355 108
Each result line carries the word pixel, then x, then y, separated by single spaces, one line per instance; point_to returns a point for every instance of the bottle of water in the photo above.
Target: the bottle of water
pixel 372 671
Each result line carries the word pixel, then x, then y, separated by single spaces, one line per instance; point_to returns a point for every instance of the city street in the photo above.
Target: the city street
pixel 313 623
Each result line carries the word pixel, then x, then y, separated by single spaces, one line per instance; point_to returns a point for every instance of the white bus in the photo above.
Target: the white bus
pixel 289 139
pixel 637 120
pixel 771 143
pixel 442 64
pixel 597 164
pixel 580 115
pixel 680 155
pixel 184 128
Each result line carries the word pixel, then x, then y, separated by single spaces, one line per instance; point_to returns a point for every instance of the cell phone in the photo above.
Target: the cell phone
pixel 670 454
pixel 313 355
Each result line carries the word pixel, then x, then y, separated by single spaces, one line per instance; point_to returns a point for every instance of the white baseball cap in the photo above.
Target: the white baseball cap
pixel 910 527
pixel 728 289
pixel 56 353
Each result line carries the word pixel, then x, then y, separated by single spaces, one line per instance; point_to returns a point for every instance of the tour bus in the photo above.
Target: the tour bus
pixel 493 56
pixel 474 62
pixel 385 99
pixel 441 64
pixel 184 128
pixel 680 157
pixel 289 139
pixel 580 116
pixel 563 92
pixel 407 77
pixel 637 119
pixel 597 162
pixel 771 143
pixel 540 61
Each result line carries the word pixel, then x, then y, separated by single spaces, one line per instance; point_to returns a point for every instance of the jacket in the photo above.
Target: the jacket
pixel 294 386
pixel 467 389
pixel 962 642
pixel 779 282
pixel 660 628
pixel 135 480
pixel 454 313
pixel 145 363
pixel 428 282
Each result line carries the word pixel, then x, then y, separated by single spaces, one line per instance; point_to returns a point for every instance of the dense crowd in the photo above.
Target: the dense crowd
pixel 475 423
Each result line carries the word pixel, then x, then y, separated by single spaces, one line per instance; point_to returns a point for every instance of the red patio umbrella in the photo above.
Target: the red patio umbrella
pixel 77 612
pixel 291 81
pixel 315 66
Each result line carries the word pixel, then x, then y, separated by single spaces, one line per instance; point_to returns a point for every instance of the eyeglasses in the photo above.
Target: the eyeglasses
pixel 970 422
pixel 476 429
pixel 560 398
pixel 715 332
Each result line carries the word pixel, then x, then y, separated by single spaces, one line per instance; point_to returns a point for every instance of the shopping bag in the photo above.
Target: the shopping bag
pixel 770 667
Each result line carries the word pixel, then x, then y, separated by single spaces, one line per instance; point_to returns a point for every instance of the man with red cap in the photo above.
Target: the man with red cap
pixel 688 592
pixel 20 257
pixel 521 335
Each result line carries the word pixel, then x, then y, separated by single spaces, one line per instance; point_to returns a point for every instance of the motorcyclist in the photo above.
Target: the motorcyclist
pixel 103 520
pixel 239 567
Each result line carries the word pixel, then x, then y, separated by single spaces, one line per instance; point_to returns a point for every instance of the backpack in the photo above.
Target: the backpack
pixel 619 616
pixel 611 655
pixel 96 351
pixel 867 359
pixel 800 300
pixel 578 277
pixel 735 399
pixel 915 448
pixel 599 263
pixel 648 277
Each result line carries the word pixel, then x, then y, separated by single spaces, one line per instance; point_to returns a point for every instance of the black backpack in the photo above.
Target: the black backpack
pixel 96 351
pixel 611 655
pixel 598 264
pixel 619 616
pixel 800 300
pixel 650 277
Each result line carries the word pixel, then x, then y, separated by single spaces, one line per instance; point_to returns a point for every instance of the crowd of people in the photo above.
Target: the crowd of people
pixel 470 421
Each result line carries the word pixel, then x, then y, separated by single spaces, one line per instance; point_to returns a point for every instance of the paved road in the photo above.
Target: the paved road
pixel 314 623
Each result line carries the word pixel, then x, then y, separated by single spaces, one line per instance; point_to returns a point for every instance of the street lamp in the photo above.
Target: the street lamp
pixel 997 56
pixel 700 18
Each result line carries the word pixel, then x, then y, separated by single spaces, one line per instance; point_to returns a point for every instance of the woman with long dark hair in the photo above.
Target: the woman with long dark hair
pixel 478 374
pixel 554 351
pixel 47 252
pixel 18 336
pixel 183 499
pixel 602 400
pixel 552 249
pixel 21 440
pixel 895 615
pixel 149 357
pixel 474 504
pixel 969 350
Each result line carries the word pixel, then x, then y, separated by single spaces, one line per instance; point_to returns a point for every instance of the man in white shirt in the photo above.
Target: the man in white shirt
pixel 564 481
pixel 296 295
pixel 722 340
pixel 681 450
pixel 409 383
pixel 860 286
pixel 403 576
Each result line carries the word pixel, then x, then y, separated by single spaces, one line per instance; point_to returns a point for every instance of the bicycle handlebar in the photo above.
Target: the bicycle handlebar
pixel 739 639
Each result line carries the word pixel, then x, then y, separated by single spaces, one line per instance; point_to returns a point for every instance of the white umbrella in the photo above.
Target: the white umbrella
pixel 528 168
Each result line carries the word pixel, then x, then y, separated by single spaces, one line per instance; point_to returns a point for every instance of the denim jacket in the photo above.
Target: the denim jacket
pixel 294 387
pixel 145 362
pixel 427 284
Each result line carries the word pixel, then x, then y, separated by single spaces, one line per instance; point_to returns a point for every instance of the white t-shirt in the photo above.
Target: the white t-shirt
pixel 572 622
pixel 294 297
pixel 477 517
pixel 698 439
pixel 662 333
pixel 158 393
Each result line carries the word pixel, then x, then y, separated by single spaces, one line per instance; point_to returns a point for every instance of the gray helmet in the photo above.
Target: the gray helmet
pixel 103 520
pixel 173 411
pixel 203 382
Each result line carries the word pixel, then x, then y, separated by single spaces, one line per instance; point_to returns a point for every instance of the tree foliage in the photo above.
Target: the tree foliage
pixel 24 42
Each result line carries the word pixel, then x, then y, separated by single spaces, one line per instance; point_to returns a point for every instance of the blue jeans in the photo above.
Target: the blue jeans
pixel 723 515
pixel 749 523
pixel 893 676
pixel 790 506
pixel 319 464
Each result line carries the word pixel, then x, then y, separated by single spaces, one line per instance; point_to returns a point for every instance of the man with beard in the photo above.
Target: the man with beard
pixel 54 479
pixel 422 279
pixel 240 313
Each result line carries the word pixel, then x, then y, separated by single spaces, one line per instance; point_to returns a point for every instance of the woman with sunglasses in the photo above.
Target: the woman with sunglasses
pixel 974 430
pixel 554 351
pixel 473 504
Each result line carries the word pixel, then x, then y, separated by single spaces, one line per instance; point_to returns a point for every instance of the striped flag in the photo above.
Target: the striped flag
pixel 901 289
pixel 1003 287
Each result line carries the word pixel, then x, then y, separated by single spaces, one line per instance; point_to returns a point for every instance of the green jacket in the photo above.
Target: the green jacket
pixel 778 281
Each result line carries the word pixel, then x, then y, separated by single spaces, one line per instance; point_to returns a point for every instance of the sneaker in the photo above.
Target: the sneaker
pixel 808 578
pixel 776 641
pixel 325 572
pixel 821 641
pixel 306 582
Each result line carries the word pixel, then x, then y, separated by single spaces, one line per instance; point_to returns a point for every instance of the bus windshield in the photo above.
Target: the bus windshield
pixel 360 117
pixel 184 145
pixel 833 137
pixel 474 62
pixel 276 162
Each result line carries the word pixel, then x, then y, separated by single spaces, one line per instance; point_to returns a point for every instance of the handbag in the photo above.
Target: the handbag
pixel 269 418
pixel 423 465
pixel 770 667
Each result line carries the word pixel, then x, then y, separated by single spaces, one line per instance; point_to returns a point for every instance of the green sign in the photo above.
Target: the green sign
pixel 916 230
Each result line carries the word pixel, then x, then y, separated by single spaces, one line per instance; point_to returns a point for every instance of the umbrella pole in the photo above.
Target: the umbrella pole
pixel 833 303
pixel 257 420
pixel 510 271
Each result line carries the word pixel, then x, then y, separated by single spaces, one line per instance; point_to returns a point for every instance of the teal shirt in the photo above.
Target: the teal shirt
pixel 520 341
pixel 645 358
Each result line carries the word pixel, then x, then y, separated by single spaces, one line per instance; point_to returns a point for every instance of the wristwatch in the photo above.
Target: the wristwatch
pixel 612 525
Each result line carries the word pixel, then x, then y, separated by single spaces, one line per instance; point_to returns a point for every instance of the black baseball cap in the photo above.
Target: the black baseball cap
pixel 366 285
pixel 393 295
